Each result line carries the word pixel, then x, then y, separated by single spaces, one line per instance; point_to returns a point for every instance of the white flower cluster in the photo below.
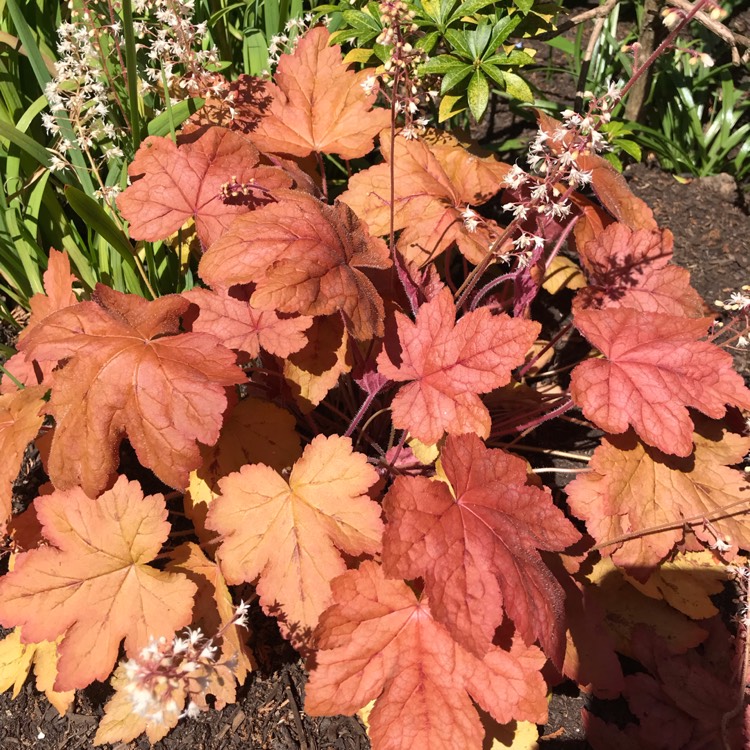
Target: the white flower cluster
pixel 90 49
pixel 80 94
pixel 165 673
pixel 174 50
pixel 286 42
pixel 553 159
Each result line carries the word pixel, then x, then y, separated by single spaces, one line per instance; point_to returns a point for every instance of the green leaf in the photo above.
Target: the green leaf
pixel 524 6
pixel 469 8
pixel 428 41
pixel 441 64
pixel 614 161
pixel 502 30
pixel 454 77
pixel 478 94
pixel 180 112
pixel 515 57
pixel 517 87
pixel 25 143
pixel 457 40
pixel 630 147
pixel 450 106
pixel 95 217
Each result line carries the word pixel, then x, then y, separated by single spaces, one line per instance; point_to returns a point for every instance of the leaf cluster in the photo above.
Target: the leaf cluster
pixel 337 418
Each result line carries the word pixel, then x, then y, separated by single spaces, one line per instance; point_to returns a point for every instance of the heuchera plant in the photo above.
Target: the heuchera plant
pixel 339 411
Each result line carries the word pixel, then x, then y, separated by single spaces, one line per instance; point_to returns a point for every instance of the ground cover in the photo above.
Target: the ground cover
pixel 710 227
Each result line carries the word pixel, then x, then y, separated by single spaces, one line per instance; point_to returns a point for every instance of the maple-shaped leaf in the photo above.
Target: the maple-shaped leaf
pixel 629 268
pixel 318 104
pixel 687 581
pixel 633 487
pixel 228 315
pixel 378 642
pixel 130 373
pixel 433 187
pixel 93 583
pixel 175 183
pixel 21 416
pixel 287 533
pixel 16 661
pixel 304 257
pixel 254 431
pixel 475 543
pixel 121 723
pixel 59 294
pixel 654 368
pixel 447 364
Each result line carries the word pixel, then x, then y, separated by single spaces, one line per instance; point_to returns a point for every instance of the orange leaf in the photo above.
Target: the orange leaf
pixel 93 584
pixel 175 183
pixel 314 370
pixel 304 257
pixel 377 641
pixel 21 416
pixel 474 542
pixel 58 285
pixel 318 104
pixel 254 432
pixel 654 368
pixel 433 186
pixel 286 532
pixel 127 375
pixel 214 609
pixel 629 268
pixel 633 487
pixel 240 326
pixel 449 363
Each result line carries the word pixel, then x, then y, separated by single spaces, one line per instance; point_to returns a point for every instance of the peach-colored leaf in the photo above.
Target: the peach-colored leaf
pixel 629 268
pixel 304 257
pixel 446 364
pixel 21 416
pixel 378 642
pixel 475 543
pixel 318 104
pixel 130 373
pixel 654 368
pixel 120 723
pixel 288 532
pixel 633 487
pixel 228 315
pixel 433 186
pixel 93 583
pixel 175 183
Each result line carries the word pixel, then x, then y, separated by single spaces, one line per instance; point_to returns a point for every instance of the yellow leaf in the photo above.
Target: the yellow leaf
pixel 16 660
pixel 626 607
pixel 449 106
pixel 316 369
pixel 517 735
pixel 358 55
pixel 687 583
pixel 563 273
pixel 425 454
